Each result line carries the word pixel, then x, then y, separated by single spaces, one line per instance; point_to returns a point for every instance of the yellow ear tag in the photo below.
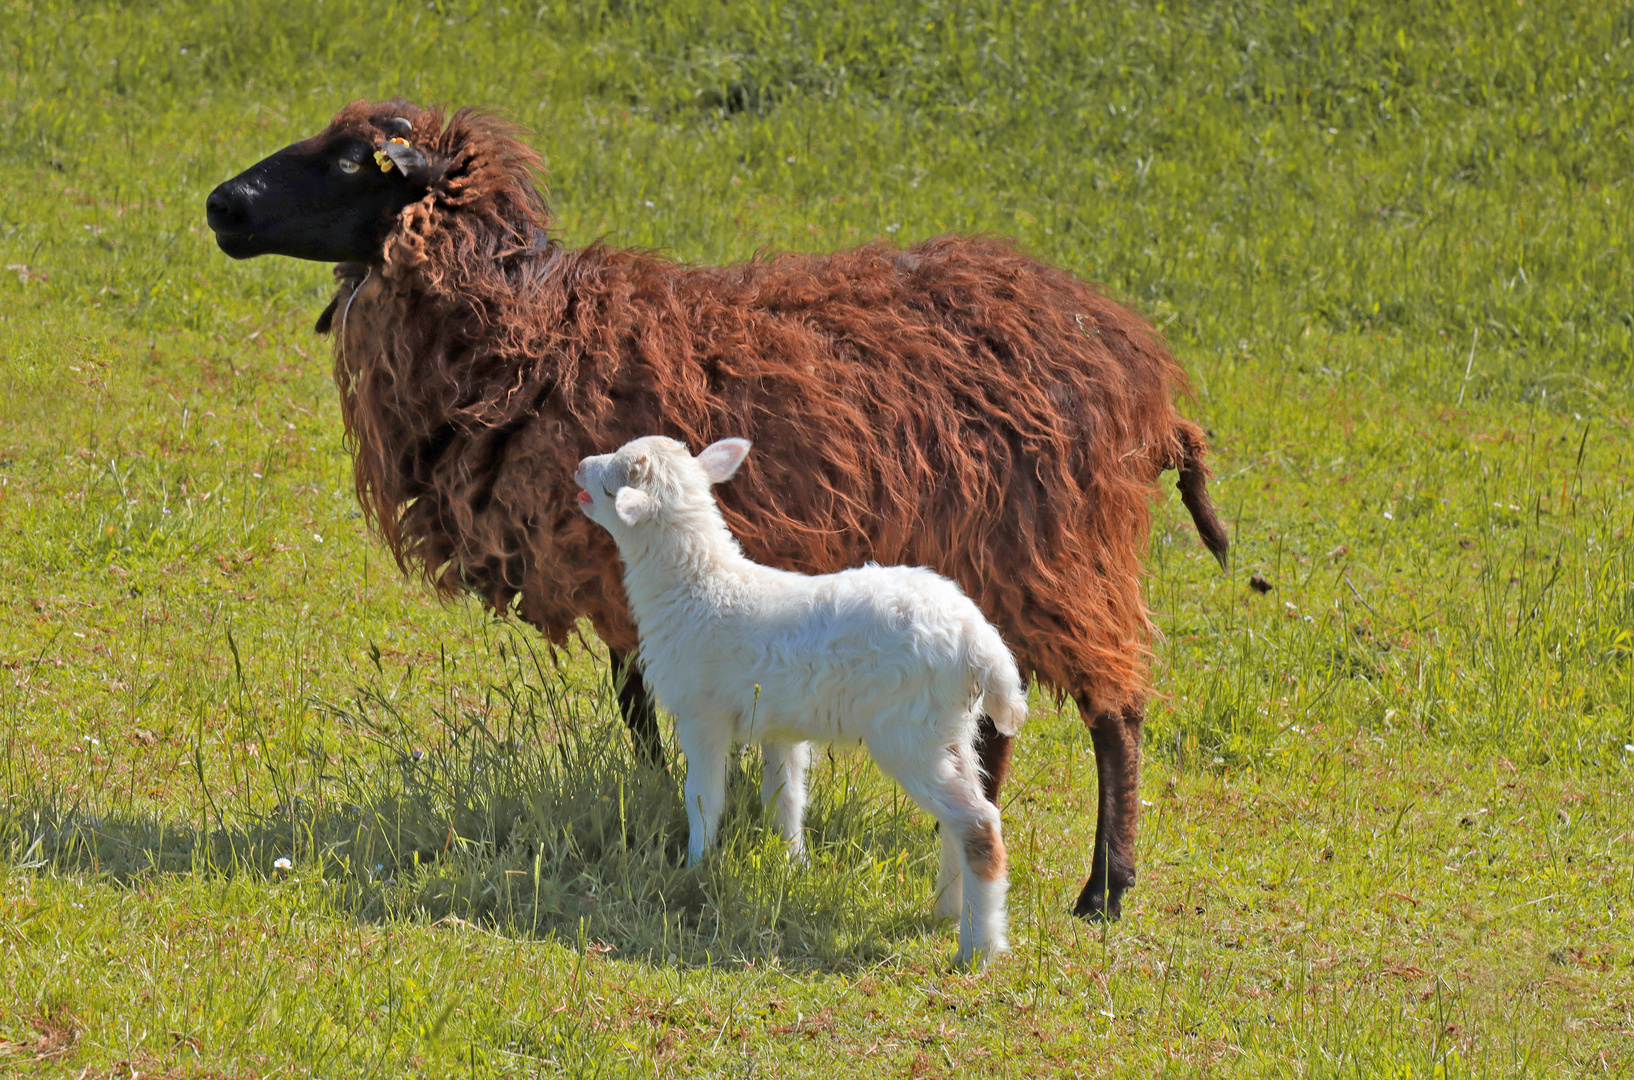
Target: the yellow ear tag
pixel 380 157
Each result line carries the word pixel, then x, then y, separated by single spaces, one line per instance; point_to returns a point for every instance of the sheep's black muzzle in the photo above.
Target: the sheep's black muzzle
pixel 228 212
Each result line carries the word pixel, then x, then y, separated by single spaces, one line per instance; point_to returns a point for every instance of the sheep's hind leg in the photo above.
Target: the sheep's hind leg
pixel 783 790
pixel 635 704
pixel 993 756
pixel 945 784
pixel 1117 766
pixel 705 745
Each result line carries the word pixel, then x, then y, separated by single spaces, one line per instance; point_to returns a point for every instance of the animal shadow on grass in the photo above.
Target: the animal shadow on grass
pixel 531 817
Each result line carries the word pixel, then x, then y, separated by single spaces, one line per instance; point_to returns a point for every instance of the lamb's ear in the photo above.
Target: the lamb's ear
pixel 721 459
pixel 633 505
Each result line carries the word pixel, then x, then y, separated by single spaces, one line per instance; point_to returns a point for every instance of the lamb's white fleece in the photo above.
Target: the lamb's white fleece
pixel 897 658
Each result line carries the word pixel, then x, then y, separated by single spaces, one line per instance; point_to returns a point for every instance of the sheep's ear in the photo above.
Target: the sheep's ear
pixel 721 459
pixel 411 162
pixel 327 319
pixel 633 505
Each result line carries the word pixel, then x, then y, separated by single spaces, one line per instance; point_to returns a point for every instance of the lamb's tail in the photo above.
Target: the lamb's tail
pixel 1193 485
pixel 1004 695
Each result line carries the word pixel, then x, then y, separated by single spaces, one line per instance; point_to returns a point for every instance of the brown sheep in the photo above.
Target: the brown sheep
pixel 956 404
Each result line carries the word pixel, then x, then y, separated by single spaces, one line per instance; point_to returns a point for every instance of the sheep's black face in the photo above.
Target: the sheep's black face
pixel 326 198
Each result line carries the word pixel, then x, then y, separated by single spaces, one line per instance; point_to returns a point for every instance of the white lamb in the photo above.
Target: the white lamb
pixel 894 657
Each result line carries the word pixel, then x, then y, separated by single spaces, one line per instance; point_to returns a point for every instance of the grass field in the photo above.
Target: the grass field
pixel 1385 833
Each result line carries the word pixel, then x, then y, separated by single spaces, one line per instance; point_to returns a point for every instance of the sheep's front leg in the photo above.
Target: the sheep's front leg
pixel 705 744
pixel 637 707
pixel 783 790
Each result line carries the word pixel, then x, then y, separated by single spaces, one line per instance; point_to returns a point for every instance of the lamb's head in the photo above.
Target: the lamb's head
pixel 654 481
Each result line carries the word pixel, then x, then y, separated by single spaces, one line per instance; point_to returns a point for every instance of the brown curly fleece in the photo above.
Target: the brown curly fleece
pixel 956 404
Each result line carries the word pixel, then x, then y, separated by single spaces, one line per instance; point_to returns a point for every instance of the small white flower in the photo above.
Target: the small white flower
pixel 1333 131
pixel 318 538
pixel 789 159
pixel 649 203
pixel 893 226
pixel 282 863
pixel 1629 747
pixel 1388 516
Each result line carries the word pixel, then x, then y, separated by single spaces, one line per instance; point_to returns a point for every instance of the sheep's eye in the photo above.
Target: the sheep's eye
pixel 348 166
pixel 605 492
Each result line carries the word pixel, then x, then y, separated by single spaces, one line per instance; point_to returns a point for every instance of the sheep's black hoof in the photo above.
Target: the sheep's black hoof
pixel 1097 907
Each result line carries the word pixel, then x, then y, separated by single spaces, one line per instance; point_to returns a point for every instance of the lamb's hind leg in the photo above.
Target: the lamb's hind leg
pixel 945 783
pixel 783 789
pixel 950 886
pixel 1116 736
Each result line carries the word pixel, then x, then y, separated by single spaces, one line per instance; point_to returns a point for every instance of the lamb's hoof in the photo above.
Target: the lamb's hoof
pixel 976 960
pixel 1099 907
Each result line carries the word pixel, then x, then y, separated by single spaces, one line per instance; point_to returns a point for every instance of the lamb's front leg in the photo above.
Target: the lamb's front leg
pixel 783 790
pixel 705 744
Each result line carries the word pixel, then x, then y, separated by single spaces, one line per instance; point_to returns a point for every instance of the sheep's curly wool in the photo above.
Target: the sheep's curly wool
pixel 957 405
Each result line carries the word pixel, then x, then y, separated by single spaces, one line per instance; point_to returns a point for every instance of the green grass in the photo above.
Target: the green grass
pixel 1387 833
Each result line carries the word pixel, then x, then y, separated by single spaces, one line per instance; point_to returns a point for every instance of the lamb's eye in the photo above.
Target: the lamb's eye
pixel 348 166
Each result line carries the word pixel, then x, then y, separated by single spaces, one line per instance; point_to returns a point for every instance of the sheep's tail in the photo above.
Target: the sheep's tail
pixel 1004 695
pixel 1188 460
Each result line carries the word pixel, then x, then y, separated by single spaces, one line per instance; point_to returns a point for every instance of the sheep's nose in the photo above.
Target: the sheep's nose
pixel 226 210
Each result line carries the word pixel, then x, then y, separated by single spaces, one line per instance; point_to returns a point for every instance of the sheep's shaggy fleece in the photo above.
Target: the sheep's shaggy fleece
pixel 957 405
pixel 895 658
